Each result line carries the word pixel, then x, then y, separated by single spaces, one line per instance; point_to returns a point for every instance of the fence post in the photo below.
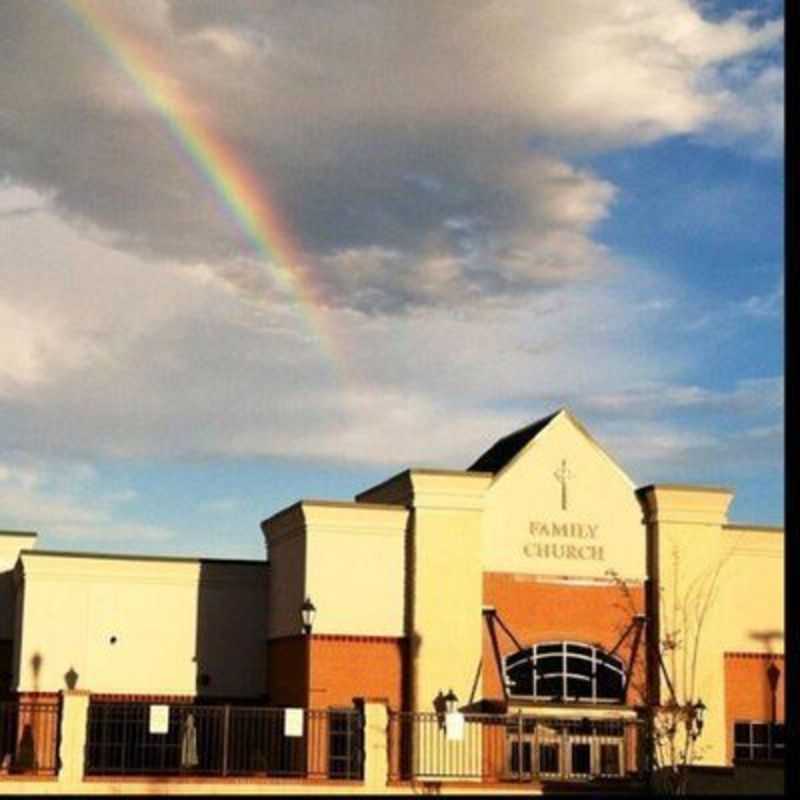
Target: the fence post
pixel 376 745
pixel 226 730
pixel 72 747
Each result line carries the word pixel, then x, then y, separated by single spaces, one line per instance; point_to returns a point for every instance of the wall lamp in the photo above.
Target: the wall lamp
pixel 307 613
pixel 451 702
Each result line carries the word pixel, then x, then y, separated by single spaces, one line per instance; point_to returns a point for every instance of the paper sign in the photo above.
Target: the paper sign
pixel 159 719
pixel 293 722
pixel 454 725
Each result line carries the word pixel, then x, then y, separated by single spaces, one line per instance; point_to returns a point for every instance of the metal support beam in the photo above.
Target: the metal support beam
pixel 490 615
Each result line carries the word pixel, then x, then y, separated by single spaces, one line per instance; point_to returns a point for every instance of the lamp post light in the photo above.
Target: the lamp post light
pixel 773 676
pixel 308 612
pixel 697 712
pixel 450 701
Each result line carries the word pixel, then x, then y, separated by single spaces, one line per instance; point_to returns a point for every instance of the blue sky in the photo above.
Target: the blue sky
pixel 505 213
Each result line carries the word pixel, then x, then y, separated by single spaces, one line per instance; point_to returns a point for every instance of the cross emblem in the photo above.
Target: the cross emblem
pixel 562 475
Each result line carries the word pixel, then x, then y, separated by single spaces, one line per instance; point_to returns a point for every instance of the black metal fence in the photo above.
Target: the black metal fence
pixel 29 737
pixel 512 747
pixel 222 740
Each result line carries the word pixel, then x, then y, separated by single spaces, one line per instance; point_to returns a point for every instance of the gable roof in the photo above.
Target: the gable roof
pixel 505 449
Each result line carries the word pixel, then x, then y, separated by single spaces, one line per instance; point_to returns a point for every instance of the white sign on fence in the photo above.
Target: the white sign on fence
pixel 454 725
pixel 159 719
pixel 293 722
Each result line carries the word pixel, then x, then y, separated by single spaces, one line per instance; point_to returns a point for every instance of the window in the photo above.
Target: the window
pixel 609 759
pixel 548 759
pixel 524 765
pixel 565 671
pixel 758 741
pixel 345 745
pixel 565 749
pixel 581 758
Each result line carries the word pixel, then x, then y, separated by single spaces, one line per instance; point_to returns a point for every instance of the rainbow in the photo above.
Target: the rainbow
pixel 239 190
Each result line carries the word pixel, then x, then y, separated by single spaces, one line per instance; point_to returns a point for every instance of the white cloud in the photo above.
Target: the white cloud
pixel 765 306
pixel 752 396
pixel 34 348
pixel 749 110
pixel 658 451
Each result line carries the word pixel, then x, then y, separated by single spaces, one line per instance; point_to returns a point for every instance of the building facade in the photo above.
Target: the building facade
pixel 538 584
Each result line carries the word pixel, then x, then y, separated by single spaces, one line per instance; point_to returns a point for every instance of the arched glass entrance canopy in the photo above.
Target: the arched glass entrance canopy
pixel 565 672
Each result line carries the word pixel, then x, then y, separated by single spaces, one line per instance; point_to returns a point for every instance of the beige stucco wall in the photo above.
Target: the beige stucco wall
pixel 692 557
pixel 602 523
pixel 445 590
pixel 347 557
pixel 355 568
pixel 172 619
pixel 753 585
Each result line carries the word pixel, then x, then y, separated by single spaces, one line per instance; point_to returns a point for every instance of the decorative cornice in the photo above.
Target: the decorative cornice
pixel 743 526
pixel 314 516
pixel 587 581
pixel 134 557
pixel 59 567
pixel 357 637
pixel 762 656
pixel 684 487
pixel 341 637
pixel 421 488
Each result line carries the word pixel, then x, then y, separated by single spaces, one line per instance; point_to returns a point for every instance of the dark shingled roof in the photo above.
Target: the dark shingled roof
pixel 503 450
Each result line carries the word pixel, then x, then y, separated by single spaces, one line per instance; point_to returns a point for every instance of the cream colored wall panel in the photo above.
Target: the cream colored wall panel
pixel 347 557
pixel 693 560
pixel 447 600
pixel 753 585
pixel 355 580
pixel 54 635
pixel 142 626
pixel 526 528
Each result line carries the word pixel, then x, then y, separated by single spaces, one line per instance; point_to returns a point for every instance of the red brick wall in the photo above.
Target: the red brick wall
pixel 535 610
pixel 342 668
pixel 747 691
pixel 347 667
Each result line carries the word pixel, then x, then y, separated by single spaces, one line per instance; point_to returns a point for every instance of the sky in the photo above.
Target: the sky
pixel 253 252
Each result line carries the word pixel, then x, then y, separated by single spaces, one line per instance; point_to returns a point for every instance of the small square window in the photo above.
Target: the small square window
pixel 760 734
pixel 741 733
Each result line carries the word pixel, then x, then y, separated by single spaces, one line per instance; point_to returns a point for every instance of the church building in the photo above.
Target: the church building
pixel 539 594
